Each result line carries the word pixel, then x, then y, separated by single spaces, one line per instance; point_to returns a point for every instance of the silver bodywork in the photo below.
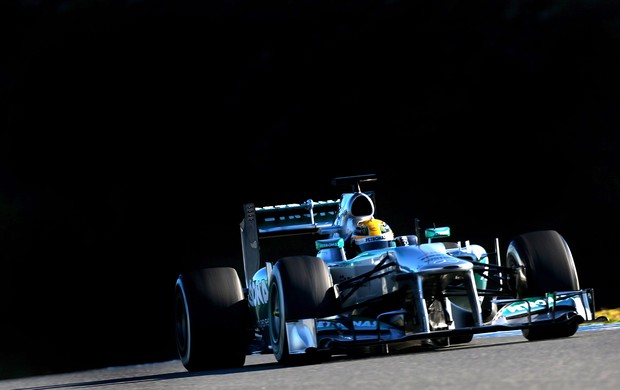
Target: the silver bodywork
pixel 413 292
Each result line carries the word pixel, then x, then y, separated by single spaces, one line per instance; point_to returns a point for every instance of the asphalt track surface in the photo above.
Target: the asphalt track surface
pixel 589 359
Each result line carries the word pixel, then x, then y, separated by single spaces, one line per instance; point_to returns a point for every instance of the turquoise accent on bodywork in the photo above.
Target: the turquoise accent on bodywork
pixel 437 232
pixel 329 243
pixel 480 255
pixel 481 281
pixel 538 304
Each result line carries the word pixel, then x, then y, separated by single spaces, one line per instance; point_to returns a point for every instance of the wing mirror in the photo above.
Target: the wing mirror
pixel 437 232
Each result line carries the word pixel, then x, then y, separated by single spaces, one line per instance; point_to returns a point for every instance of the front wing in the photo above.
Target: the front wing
pixel 342 333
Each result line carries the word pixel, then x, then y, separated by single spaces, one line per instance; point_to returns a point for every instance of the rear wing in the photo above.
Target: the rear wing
pixel 277 221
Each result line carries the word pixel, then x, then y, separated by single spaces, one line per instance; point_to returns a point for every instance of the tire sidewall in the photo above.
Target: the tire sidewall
pixel 211 319
pixel 300 287
pixel 182 323
pixel 277 326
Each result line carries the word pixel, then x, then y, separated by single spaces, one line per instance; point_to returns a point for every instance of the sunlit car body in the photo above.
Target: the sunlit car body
pixel 305 303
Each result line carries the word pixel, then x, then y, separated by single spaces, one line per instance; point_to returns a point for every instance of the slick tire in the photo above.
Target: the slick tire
pixel 547 265
pixel 211 319
pixel 300 287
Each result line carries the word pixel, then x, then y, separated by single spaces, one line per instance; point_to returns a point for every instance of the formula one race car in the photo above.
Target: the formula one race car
pixel 327 278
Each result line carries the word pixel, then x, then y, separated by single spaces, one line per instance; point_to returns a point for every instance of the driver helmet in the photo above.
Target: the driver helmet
pixel 373 234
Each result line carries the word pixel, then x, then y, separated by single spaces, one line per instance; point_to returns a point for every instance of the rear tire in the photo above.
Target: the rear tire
pixel 211 319
pixel 546 265
pixel 300 287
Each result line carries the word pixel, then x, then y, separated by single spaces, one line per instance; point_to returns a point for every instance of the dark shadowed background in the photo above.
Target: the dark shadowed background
pixel 132 133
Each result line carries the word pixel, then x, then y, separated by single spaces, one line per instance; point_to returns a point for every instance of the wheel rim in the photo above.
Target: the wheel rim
pixel 275 315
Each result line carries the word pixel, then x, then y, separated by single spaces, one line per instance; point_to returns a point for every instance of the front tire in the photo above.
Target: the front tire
pixel 300 287
pixel 545 264
pixel 211 317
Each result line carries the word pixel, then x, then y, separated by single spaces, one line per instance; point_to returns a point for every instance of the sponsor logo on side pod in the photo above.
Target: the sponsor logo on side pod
pixel 258 293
